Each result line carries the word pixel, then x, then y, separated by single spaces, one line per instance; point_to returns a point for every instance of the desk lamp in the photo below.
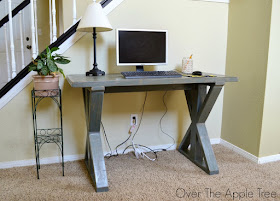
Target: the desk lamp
pixel 94 20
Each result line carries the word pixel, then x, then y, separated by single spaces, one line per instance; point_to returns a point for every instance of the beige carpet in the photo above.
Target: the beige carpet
pixel 132 179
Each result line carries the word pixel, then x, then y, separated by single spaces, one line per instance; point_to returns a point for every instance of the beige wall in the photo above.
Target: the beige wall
pixel 270 138
pixel 247 57
pixel 68 11
pixel 43 23
pixel 195 27
pixel 43 27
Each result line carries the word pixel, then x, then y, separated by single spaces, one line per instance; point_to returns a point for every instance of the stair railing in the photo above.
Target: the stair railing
pixel 12 46
pixel 74 11
pixel 7 47
pixel 12 77
pixel 9 34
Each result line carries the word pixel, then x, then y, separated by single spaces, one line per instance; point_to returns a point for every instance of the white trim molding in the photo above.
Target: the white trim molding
pixel 70 41
pixel 218 1
pixel 16 89
pixel 111 6
pixel 240 151
pixel 62 48
pixel 57 159
pixel 49 160
pixel 268 159
pixel 215 141
pixel 258 160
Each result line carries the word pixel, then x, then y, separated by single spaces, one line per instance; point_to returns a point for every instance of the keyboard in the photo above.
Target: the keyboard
pixel 151 74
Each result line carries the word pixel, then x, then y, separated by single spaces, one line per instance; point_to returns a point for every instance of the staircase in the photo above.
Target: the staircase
pixel 20 38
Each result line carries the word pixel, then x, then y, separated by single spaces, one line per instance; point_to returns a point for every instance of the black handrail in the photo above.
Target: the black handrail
pixel 105 2
pixel 14 12
pixel 57 43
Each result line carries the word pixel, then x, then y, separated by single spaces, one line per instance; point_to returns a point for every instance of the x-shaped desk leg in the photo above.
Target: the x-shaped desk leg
pixel 94 159
pixel 196 145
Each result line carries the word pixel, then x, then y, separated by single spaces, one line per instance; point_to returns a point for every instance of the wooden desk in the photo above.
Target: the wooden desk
pixel 195 144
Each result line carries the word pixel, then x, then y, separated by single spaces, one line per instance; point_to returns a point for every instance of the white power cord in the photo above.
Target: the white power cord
pixel 140 152
pixel 138 149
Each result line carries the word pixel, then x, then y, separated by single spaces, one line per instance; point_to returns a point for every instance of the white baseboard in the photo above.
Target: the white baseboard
pixel 57 159
pixel 240 151
pixel 268 159
pixel 218 1
pixel 156 148
pixel 258 160
pixel 49 160
pixel 215 140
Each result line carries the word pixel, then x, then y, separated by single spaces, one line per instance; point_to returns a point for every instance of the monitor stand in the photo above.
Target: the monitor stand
pixel 139 68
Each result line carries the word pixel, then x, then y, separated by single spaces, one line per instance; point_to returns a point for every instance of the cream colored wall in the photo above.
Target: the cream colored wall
pixel 43 27
pixel 67 10
pixel 203 26
pixel 247 56
pixel 198 28
pixel 270 138
pixel 43 23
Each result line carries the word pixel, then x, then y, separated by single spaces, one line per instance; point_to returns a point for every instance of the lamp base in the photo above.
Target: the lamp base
pixel 95 72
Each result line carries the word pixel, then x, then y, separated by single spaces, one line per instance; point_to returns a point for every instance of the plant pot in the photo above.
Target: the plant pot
pixel 48 82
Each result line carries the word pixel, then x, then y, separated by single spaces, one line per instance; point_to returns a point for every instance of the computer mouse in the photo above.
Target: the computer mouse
pixel 197 73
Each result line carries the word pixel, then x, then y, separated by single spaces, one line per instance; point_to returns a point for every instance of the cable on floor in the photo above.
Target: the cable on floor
pixel 109 155
pixel 138 148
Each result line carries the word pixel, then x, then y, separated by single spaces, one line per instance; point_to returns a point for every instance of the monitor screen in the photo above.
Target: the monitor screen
pixel 141 47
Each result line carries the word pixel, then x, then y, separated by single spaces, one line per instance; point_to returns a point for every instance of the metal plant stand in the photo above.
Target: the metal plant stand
pixel 49 135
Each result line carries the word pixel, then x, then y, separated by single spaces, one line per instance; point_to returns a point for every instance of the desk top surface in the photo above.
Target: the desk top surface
pixel 113 80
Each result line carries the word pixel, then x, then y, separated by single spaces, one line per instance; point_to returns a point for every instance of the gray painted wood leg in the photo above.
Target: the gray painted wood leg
pixel 94 159
pixel 196 144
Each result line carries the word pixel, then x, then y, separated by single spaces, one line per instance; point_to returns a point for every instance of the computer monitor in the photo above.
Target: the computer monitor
pixel 140 47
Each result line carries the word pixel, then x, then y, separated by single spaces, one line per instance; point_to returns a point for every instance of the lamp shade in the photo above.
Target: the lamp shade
pixel 94 17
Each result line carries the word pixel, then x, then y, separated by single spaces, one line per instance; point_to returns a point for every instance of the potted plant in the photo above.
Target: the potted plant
pixel 45 65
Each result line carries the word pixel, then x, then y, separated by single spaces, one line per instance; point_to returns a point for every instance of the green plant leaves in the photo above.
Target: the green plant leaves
pixel 52 66
pixel 32 67
pixel 61 71
pixel 45 64
pixel 45 70
pixel 49 53
pixel 62 61
pixel 54 49
pixel 43 55
pixel 40 64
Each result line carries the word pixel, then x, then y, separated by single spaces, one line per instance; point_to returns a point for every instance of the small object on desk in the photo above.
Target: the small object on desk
pixel 210 76
pixel 196 76
pixel 187 65
pixel 197 73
